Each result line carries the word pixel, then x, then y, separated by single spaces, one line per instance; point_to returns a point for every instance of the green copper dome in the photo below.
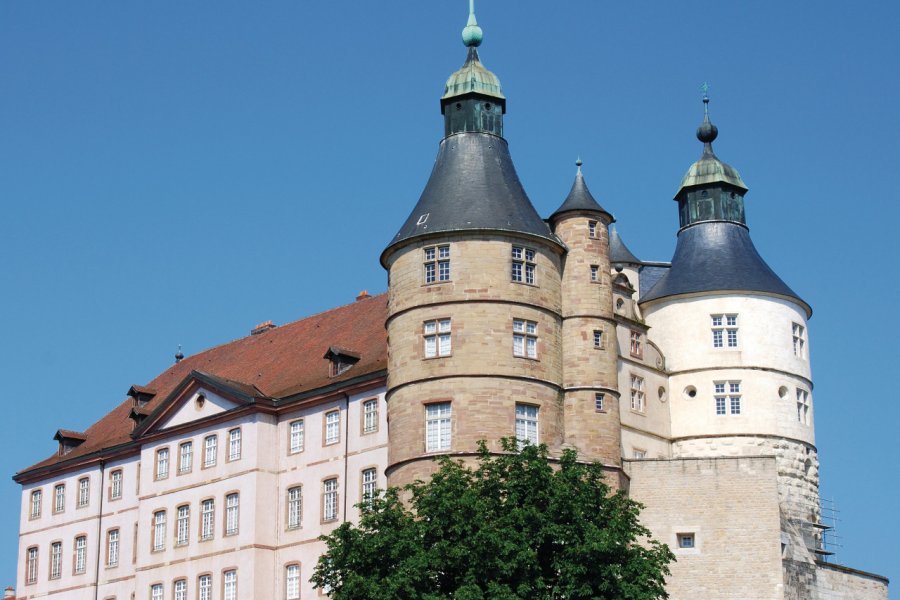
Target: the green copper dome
pixel 709 169
pixel 473 78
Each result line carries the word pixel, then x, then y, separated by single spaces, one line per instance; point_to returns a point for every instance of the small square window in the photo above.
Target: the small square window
pixel 686 540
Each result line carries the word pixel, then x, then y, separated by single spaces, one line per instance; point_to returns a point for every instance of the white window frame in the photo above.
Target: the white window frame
pixel 55 560
pixel 524 265
pixel 112 548
pixel 80 554
pixel 159 530
pixel 527 423
pixel 185 457
pixel 368 483
pixel 229 585
pixel 115 484
pixel 210 450
pixel 296 435
pixel 232 513
pixel 204 587
pixel 59 498
pixel 84 492
pixel 162 463
pixel 638 397
pixel 637 343
pixel 595 273
pixel 183 525
pixel 436 335
pixel 370 416
pixel 599 402
pixel 803 406
pixel 207 519
pixel 525 338
pixel 728 399
pixel 598 339
pixel 292 582
pixel 295 507
pixel 592 229
pixel 438 426
pixel 798 333
pixel 234 444
pixel 179 589
pixel 332 427
pixel 156 591
pixel 724 327
pixel 437 263
pixel 330 499
pixel 37 501
pixel 31 565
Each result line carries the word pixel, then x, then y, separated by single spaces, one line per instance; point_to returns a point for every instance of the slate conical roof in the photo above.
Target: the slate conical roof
pixel 580 198
pixel 619 252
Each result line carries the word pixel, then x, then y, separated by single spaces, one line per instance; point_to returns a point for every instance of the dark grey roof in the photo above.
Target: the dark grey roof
pixel 473 187
pixel 650 274
pixel 580 198
pixel 718 256
pixel 618 251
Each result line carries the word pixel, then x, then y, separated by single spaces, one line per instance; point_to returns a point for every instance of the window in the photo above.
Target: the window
pixel 183 525
pixel 598 402
pixel 185 457
pixel 369 481
pixel 80 554
pixel 112 548
pixel 329 500
pixel 595 273
pixel 232 507
pixel 637 393
pixel 437 427
pixel 332 427
pixel 637 345
pixel 159 530
pixel 598 338
pixel 437 338
pixel 55 560
pixel 210 450
pixel 179 589
pixel 638 453
pixel 31 565
pixel 296 432
pixel 205 587
pixel 59 498
pixel 728 397
pixel 524 338
pixel 156 591
pixel 36 502
pixel 799 333
pixel 370 416
pixel 437 264
pixel 523 265
pixel 292 582
pixel 234 444
pixel 115 484
pixel 686 540
pixel 230 585
pixel 802 406
pixel 294 507
pixel 84 492
pixel 207 518
pixel 162 463
pixel 592 229
pixel 724 331
pixel 527 423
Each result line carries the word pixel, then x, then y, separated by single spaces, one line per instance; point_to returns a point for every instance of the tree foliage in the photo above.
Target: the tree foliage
pixel 512 527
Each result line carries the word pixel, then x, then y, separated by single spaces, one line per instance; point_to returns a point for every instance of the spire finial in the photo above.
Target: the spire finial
pixel 472 34
pixel 578 163
pixel 179 356
pixel 707 132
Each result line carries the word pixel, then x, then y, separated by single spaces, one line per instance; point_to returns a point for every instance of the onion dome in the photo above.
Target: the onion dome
pixel 619 252
pixel 709 169
pixel 473 77
pixel 580 198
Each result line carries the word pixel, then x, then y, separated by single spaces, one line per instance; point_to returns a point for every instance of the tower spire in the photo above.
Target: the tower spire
pixel 472 34
pixel 707 132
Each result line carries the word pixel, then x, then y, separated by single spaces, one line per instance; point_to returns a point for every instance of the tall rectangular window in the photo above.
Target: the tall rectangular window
pixel 183 525
pixel 115 484
pixel 162 463
pixel 292 582
pixel 156 591
pixel 294 507
pixel 724 331
pixel 232 508
pixel 84 492
pixel 370 416
pixel 179 589
pixel 332 427
pixel 598 338
pixel 329 499
pixel 599 397
pixel 637 344
pixel 59 498
pixel 592 229
pixel 55 560
pixel 112 548
pixel 595 273
pixel 436 334
pixel 527 423
pixel 207 518
pixel 185 457
pixel 524 338
pixel 727 397
pixel 210 450
pixel 80 554
pixel 159 530
pixel 31 565
pixel 437 264
pixel 523 265
pixel 369 484
pixel 802 406
pixel 230 585
pixel 204 587
pixel 437 426
pixel 637 393
pixel 234 444
pixel 36 502
pixel 799 335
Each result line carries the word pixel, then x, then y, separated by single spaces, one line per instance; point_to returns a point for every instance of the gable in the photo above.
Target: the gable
pixel 193 408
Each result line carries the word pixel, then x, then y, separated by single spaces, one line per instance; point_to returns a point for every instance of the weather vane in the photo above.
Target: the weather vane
pixel 705 89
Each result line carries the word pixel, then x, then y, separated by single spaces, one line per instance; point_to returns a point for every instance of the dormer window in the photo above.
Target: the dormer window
pixel 140 395
pixel 341 360
pixel 68 440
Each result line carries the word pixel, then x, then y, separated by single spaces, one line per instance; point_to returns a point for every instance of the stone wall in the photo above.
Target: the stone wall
pixel 835 582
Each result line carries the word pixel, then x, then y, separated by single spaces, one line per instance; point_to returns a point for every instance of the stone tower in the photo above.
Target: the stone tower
pixel 474 315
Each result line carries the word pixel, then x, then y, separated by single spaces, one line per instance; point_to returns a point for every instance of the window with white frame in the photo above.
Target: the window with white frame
pixel 55 560
pixel 437 263
pixel 204 586
pixel 598 338
pixel 179 589
pixel 115 484
pixel 230 587
pixel 638 453
pixel 686 540
pixel 724 331
pixel 436 334
pixel 592 229
pixel 31 565
pixel 595 273
pixel 527 423
pixel 234 444
pixel 370 416
pixel 37 497
pixel 802 406
pixel 728 397
pixel 332 427
pixel 162 463
pixel 292 582
pixel 296 436
pixel 437 426
pixel 112 548
pixel 294 507
pixel 369 484
pixel 159 530
pixel 84 492
pixel 207 518
pixel 185 457
pixel 232 508
pixel 210 450
pixel 799 335
pixel 156 591
pixel 183 525
pixel 637 393
pixel 80 554
pixel 523 265
pixel 59 498
pixel 637 344
pixel 525 338
pixel 599 398
pixel 330 499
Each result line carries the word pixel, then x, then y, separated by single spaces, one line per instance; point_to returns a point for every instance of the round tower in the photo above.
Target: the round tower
pixel 589 349
pixel 735 337
pixel 473 324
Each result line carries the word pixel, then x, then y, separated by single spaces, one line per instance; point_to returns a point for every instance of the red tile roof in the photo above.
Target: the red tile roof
pixel 280 362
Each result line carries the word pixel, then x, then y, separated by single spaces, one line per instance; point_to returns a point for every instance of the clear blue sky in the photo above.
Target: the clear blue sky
pixel 176 172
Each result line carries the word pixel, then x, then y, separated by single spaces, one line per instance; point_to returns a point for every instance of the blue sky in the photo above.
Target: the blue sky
pixel 177 172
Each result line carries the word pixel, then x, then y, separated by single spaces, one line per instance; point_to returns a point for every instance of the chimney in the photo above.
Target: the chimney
pixel 10 592
pixel 363 295
pixel 263 327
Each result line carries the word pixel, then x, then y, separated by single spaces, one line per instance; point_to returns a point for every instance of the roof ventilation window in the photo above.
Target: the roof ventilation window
pixel 341 360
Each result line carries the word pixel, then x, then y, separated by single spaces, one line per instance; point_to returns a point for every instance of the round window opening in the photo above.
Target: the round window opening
pixel 488 106
pixel 201 400
pixel 662 393
pixel 459 106
pixel 783 392
pixel 690 392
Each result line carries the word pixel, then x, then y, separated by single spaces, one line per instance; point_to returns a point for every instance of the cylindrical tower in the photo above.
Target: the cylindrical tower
pixel 474 328
pixel 735 338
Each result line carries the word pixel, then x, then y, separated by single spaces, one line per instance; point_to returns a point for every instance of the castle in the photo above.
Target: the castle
pixel 689 381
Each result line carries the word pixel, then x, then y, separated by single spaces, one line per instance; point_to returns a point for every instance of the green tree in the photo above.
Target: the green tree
pixel 513 527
